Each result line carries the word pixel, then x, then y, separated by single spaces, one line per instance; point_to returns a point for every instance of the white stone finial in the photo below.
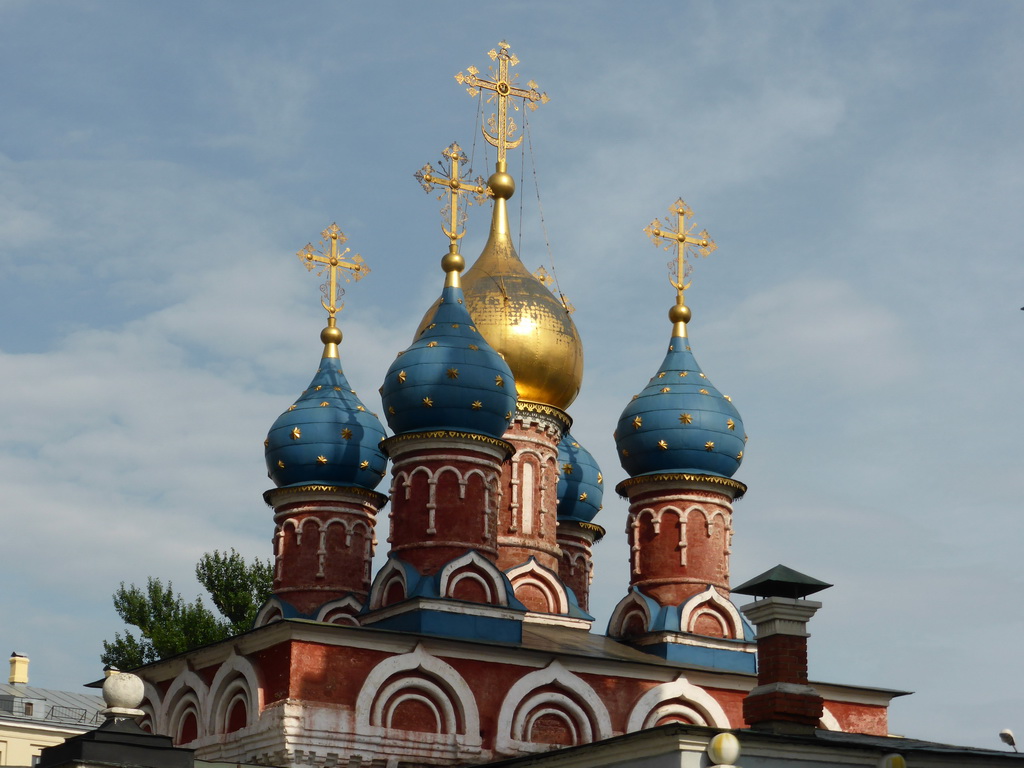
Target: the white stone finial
pixel 123 692
pixel 724 750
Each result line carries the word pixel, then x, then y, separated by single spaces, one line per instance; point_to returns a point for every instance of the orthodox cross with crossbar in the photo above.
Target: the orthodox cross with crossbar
pixel 683 239
pixel 502 87
pixel 451 183
pixel 329 260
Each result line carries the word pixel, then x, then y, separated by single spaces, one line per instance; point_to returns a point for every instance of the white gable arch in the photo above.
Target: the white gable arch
pixel 483 570
pixel 693 607
pixel 235 676
pixel 524 699
pixel 677 697
pixel 442 680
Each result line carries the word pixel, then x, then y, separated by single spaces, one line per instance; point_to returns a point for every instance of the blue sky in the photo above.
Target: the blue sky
pixel 859 165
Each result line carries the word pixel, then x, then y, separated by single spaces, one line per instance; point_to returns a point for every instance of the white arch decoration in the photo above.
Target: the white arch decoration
pixel 523 698
pixel 533 573
pixel 270 612
pixel 484 571
pixel 187 692
pixel 442 678
pixel 236 676
pixel 677 697
pixel 567 710
pixel 151 702
pixel 626 607
pixel 390 571
pixel 692 608
pixel 347 606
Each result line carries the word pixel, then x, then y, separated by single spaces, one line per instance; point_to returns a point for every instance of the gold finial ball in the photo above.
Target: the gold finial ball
pixel 502 185
pixel 680 313
pixel 331 335
pixel 453 262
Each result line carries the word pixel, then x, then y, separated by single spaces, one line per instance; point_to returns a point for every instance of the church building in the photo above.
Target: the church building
pixel 473 642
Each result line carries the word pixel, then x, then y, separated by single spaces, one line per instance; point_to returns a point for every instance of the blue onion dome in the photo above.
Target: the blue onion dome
pixel 450 378
pixel 680 422
pixel 580 482
pixel 327 436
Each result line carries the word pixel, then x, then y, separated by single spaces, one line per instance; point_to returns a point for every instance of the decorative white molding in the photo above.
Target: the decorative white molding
pixel 531 573
pixel 388 573
pixel 428 677
pixel 269 612
pixel 188 693
pixel 236 676
pixel 626 607
pixel 677 697
pixel 484 571
pixel 347 605
pixel 696 605
pixel 576 698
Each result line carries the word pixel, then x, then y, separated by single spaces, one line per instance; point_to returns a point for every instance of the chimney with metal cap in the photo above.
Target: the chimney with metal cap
pixel 782 702
pixel 19 669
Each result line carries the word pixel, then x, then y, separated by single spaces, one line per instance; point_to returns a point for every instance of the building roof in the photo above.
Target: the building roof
pixel 49 706
pixel 822 748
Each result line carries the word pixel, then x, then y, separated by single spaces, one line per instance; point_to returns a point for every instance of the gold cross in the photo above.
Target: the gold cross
pixel 330 261
pixel 502 126
pixel 683 238
pixel 449 178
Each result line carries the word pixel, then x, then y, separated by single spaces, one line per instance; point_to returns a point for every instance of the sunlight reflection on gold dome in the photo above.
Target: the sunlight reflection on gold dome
pixel 521 318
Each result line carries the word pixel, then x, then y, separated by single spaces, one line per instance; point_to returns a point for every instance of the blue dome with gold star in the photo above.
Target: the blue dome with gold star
pixel 450 378
pixel 327 436
pixel 580 482
pixel 680 422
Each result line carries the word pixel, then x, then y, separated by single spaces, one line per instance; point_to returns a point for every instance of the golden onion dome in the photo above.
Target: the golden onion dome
pixel 519 317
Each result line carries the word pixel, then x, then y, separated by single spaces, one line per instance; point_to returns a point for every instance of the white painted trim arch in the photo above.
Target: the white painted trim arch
pixel 236 675
pixel 626 606
pixel 523 697
pixel 485 571
pixel 269 613
pixel 187 689
pixel 390 571
pixel 650 707
pixel 347 606
pixel 692 608
pixel 442 678
pixel 533 573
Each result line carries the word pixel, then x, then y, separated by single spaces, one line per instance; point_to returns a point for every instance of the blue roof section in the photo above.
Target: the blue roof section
pixel 450 378
pixel 580 482
pixel 680 422
pixel 327 437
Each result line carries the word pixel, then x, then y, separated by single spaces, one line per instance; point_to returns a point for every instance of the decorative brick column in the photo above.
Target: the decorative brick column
pixel 444 496
pixel 680 534
pixel 576 567
pixel 782 700
pixel 323 543
pixel 528 519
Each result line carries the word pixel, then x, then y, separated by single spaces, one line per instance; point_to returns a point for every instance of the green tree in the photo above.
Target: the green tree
pixel 168 625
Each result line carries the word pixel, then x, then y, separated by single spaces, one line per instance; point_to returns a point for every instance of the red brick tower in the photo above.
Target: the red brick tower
pixel 324 456
pixel 681 441
pixel 449 399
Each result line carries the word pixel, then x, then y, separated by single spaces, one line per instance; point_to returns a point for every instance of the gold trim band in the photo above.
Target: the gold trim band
pixel 685 477
pixel 529 406
pixel 379 499
pixel 445 434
